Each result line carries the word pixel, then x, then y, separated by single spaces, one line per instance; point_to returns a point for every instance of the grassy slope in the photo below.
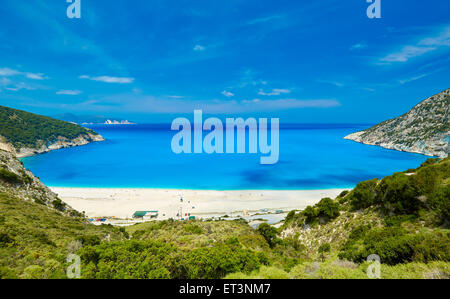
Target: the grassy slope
pixel 409 233
pixel 402 218
pixel 35 240
pixel 24 129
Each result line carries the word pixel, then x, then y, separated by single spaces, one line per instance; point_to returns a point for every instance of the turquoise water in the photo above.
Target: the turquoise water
pixel 140 156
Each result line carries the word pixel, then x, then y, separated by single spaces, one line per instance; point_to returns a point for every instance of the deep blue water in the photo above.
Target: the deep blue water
pixel 140 156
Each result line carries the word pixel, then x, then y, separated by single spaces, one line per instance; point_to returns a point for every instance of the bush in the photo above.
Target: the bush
pixel 194 229
pixel 399 195
pixel 5 239
pixel 324 248
pixel 327 209
pixel 440 202
pixel 269 233
pixel 364 194
pixel 155 259
pixel 59 205
pixel 310 214
pixel 9 177
pixel 90 240
pixel 396 245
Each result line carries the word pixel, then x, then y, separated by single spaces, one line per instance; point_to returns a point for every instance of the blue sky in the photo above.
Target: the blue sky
pixel 303 61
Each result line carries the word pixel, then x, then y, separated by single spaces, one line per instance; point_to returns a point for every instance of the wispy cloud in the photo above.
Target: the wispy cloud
pixel 109 79
pixel 335 83
pixel 235 106
pixel 359 46
pixel 407 80
pixel 228 94
pixel 19 86
pixel 406 53
pixel 68 92
pixel 162 105
pixel 7 72
pixel 264 19
pixel 199 48
pixel 423 46
pixel 33 76
pixel 274 92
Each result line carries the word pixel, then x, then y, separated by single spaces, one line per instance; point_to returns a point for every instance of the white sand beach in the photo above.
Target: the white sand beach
pixel 122 203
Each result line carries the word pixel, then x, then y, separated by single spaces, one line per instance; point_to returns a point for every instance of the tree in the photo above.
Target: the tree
pixel 269 233
pixel 323 249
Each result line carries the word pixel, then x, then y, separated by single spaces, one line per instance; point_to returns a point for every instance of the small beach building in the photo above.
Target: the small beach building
pixel 145 214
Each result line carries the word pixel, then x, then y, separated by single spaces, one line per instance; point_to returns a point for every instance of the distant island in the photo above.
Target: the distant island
pixel 425 129
pixel 92 119
pixel 25 134
pixel 112 122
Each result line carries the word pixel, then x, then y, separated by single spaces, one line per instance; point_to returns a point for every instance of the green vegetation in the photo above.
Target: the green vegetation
pixel 402 218
pixel 35 240
pixel 269 233
pixel 24 129
pixel 9 177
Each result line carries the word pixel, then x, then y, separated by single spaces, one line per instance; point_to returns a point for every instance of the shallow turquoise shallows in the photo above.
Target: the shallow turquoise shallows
pixel 312 156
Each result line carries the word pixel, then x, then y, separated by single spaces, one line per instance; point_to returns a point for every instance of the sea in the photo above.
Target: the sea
pixel 311 156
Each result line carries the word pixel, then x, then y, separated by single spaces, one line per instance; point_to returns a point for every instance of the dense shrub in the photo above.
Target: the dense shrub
pixel 155 259
pixel 9 177
pixel 440 202
pixel 398 194
pixel 364 194
pixel 269 233
pixel 310 214
pixel 396 245
pixel 194 229
pixel 59 204
pixel 327 209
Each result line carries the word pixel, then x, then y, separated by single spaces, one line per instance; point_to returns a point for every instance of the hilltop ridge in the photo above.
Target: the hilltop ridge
pixel 425 129
pixel 25 134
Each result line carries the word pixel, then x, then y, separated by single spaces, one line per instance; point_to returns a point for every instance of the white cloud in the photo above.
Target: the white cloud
pixel 199 48
pixel 335 83
pixel 443 39
pixel 265 19
pixel 274 92
pixel 109 79
pixel 407 53
pixel 227 94
pixel 422 47
pixel 69 92
pixel 7 72
pixel 358 46
pixel 35 76
pixel 19 86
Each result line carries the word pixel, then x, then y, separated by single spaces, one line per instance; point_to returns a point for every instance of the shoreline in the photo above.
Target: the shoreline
pixel 121 203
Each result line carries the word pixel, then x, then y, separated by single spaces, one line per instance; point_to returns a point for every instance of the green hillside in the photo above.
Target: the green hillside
pixel 403 218
pixel 24 129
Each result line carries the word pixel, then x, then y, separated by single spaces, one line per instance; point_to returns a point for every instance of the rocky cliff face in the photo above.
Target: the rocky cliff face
pixel 16 180
pixel 61 142
pixel 425 129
